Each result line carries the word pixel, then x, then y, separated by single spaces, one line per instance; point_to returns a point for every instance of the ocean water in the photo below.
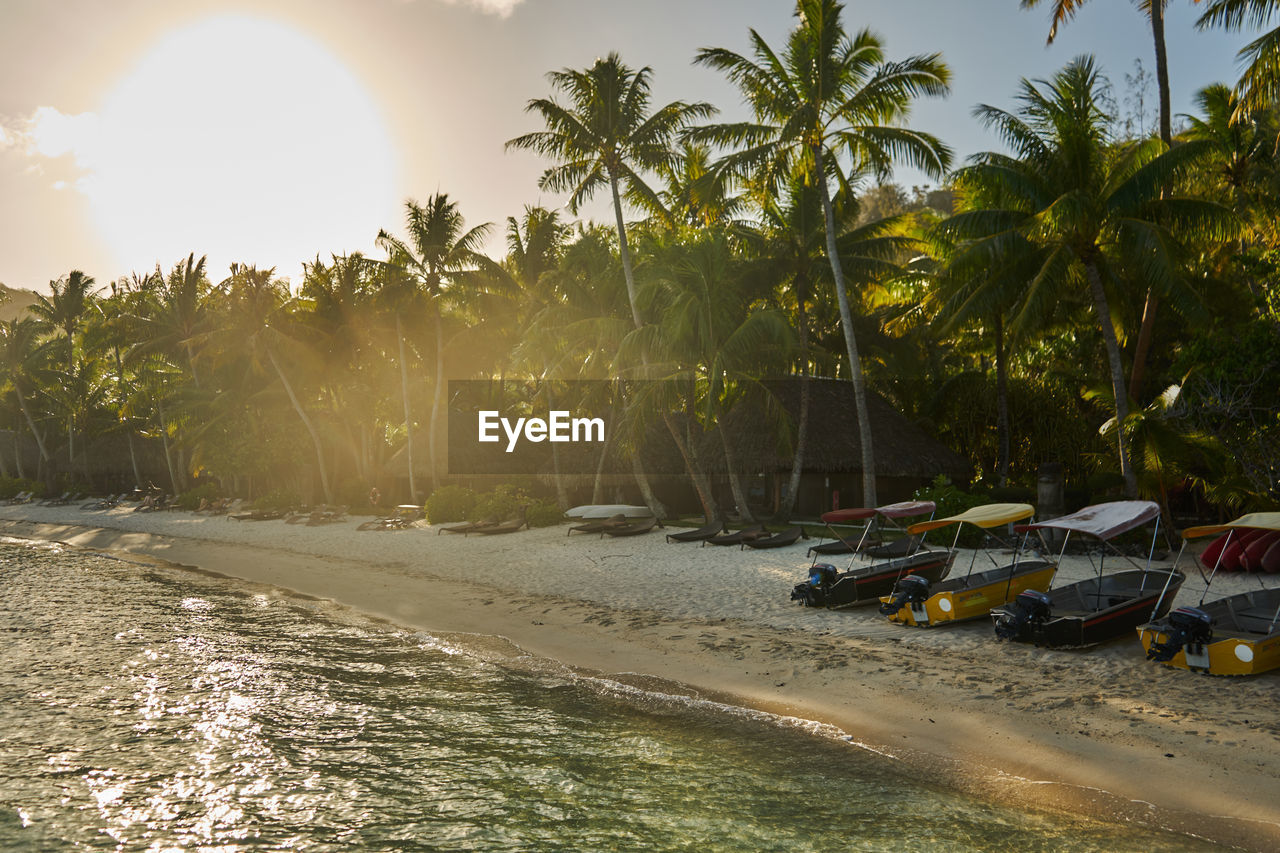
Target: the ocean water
pixel 154 708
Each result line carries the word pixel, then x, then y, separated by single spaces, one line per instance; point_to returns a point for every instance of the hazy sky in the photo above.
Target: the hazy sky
pixel 137 131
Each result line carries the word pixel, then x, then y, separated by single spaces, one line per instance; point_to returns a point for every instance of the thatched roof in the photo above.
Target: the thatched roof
pixel 902 448
pixel 759 433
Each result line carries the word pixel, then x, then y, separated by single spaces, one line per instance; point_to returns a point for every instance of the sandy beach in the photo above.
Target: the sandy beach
pixel 1101 731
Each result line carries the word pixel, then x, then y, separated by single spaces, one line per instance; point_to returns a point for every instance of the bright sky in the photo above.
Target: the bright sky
pixel 271 131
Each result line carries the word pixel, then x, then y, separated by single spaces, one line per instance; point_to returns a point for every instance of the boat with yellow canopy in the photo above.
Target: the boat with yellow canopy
pixel 916 601
pixel 1237 635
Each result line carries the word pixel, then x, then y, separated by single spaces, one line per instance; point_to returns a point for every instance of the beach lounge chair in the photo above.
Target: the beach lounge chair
pixel 505 527
pixel 259 515
pixel 598 525
pixel 55 501
pixel 19 498
pixel 634 528
pixel 753 532
pixel 467 526
pixel 790 536
pixel 327 515
pixel 390 522
pixel 704 532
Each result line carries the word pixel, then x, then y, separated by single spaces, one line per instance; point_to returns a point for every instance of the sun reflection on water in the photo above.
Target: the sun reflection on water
pixel 150 709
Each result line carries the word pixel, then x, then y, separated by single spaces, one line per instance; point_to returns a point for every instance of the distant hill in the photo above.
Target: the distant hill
pixel 15 305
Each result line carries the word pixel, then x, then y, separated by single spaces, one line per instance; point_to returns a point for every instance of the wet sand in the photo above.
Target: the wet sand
pixel 1101 731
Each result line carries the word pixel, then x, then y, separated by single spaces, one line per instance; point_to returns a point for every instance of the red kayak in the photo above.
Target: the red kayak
pixel 1234 552
pixel 1251 560
pixel 1270 562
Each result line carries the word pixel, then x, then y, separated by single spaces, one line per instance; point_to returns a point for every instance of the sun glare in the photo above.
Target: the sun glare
pixel 244 139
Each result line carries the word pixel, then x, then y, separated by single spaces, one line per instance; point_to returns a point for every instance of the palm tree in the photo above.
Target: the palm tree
pixel 64 309
pixel 828 98
pixel 607 135
pixel 789 250
pixel 716 335
pixel 341 296
pixel 1065 10
pixel 1091 215
pixel 259 322
pixel 1259 87
pixel 578 326
pixel 22 357
pixel 438 257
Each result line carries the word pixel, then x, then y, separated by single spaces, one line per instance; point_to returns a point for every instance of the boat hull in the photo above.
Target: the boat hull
pixel 1245 640
pixel 1124 601
pixel 974 599
pixel 865 585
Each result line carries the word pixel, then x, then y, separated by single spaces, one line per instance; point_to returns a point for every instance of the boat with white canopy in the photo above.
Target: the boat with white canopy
pixel 1100 608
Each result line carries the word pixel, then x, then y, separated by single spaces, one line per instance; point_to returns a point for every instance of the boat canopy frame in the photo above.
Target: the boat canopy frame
pixel 1251 521
pixel 1105 522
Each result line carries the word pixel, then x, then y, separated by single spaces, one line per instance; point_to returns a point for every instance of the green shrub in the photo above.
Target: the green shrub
pixel 450 503
pixel 191 499
pixel 543 514
pixel 353 493
pixel 952 501
pixel 502 503
pixel 1013 495
pixel 279 499
pixel 14 486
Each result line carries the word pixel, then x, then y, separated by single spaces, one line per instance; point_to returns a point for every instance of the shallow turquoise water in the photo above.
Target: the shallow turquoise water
pixel 155 708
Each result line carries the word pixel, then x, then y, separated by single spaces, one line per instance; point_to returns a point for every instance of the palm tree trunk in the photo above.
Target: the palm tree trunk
pixel 22 401
pixel 624 252
pixel 1121 393
pixel 17 454
pixel 191 363
pixel 1002 405
pixel 408 414
pixel 437 397
pixel 646 491
pixel 701 484
pixel 735 481
pixel 642 480
pixel 133 460
pixel 562 496
pixel 597 488
pixel 306 421
pixel 164 441
pixel 851 343
pixel 1162 69
pixel 802 427
pixel 1143 344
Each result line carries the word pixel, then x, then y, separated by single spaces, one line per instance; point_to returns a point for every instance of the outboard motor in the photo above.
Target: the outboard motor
pixel 1030 607
pixel 912 589
pixel 813 593
pixel 1188 626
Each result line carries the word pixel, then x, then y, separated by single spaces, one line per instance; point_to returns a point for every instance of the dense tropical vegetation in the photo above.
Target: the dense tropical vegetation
pixel 1011 311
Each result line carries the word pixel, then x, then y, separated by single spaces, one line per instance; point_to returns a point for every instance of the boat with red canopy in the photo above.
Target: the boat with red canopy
pixel 865 584
pixel 878 519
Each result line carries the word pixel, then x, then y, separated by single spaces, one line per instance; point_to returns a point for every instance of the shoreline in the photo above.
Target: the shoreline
pixel 1085 732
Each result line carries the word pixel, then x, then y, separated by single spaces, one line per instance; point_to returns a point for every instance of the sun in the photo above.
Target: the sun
pixel 244 139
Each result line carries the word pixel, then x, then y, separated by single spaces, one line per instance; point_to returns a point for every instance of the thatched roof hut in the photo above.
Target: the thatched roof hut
pixel 761 432
pixel 902 448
